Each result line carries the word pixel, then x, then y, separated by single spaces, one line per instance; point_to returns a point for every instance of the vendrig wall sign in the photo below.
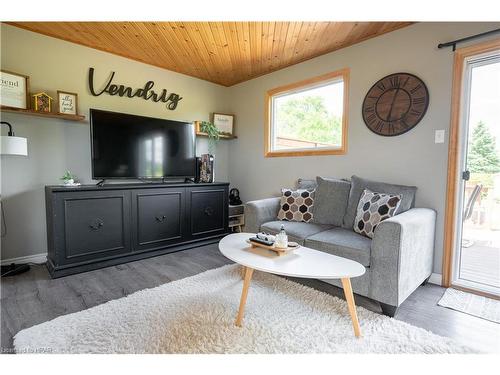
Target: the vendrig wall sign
pixel 146 93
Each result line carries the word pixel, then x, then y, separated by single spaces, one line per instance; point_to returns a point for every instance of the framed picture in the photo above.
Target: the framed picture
pixel 14 90
pixel 67 102
pixel 224 123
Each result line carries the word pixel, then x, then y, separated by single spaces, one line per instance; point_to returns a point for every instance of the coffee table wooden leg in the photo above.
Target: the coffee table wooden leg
pixel 346 284
pixel 242 272
pixel 244 293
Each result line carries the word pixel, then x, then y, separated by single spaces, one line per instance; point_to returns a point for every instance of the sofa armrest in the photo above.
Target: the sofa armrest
pixel 260 212
pixel 402 254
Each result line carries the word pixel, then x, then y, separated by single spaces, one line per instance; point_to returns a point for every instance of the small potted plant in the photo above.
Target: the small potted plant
pixel 68 179
pixel 213 135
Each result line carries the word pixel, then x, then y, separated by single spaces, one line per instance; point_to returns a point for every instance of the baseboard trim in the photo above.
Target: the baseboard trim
pixel 36 258
pixel 436 278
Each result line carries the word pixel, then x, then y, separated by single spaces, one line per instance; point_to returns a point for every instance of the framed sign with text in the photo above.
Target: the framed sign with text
pixel 14 90
pixel 67 102
pixel 224 123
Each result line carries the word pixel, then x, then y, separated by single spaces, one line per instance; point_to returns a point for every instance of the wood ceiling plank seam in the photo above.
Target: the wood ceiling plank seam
pixel 231 50
pixel 252 46
pixel 193 34
pixel 164 45
pixel 292 41
pixel 269 45
pixel 241 47
pixel 213 49
pixel 223 47
pixel 76 33
pixel 248 52
pixel 179 50
pixel 183 39
pixel 231 37
pixel 108 40
pixel 285 54
pixel 298 45
pixel 154 40
pixel 305 36
pixel 330 40
pixel 282 45
pixel 326 33
pixel 264 45
pixel 127 30
pixel 274 50
pixel 327 37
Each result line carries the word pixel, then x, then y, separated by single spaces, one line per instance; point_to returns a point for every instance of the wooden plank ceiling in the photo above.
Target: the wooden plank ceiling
pixel 221 52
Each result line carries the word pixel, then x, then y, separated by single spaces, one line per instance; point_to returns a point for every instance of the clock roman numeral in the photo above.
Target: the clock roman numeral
pixel 395 81
pixel 416 88
pixel 381 86
pixel 370 118
pixel 391 128
pixel 414 112
pixel 379 126
pixel 370 108
pixel 406 81
pixel 419 100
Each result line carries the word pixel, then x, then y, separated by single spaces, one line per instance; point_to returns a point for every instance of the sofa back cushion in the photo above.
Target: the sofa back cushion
pixel 358 185
pixel 330 201
pixel 304 183
pixel 296 205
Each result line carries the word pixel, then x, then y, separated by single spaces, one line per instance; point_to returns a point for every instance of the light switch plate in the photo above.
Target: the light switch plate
pixel 439 136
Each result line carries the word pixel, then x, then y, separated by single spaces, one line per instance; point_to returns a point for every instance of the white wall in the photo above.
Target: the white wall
pixel 412 158
pixel 56 145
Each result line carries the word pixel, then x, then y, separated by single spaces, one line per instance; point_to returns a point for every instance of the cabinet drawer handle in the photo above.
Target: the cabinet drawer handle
pixel 209 211
pixel 160 218
pixel 96 225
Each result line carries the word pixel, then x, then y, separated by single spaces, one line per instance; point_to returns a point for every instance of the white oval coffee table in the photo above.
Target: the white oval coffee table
pixel 302 262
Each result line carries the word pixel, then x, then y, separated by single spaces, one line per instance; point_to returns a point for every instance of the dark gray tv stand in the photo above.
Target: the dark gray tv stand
pixel 91 226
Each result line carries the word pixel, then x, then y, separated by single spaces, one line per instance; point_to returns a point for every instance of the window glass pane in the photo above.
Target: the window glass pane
pixel 309 119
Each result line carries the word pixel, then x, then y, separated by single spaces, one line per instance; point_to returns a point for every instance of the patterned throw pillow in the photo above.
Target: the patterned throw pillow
pixel 296 205
pixel 372 209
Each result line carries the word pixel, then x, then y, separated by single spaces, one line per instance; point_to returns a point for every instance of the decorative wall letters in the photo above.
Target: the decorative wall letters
pixel 146 93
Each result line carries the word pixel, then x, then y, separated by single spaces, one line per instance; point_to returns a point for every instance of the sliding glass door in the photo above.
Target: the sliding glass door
pixel 477 252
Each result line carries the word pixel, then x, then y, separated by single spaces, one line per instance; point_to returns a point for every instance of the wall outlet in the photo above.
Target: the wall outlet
pixel 439 136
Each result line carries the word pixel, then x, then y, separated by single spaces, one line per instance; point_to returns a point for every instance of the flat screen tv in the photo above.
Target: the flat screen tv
pixel 137 147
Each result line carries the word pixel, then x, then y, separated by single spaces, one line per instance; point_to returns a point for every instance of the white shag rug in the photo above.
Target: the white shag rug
pixel 472 304
pixel 196 315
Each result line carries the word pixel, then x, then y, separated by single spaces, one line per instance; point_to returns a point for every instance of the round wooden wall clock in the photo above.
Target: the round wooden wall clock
pixel 395 104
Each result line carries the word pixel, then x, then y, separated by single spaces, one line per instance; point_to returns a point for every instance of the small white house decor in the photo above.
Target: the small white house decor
pixel 224 123
pixel 67 102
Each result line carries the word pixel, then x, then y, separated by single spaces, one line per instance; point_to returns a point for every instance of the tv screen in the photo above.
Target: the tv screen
pixel 129 146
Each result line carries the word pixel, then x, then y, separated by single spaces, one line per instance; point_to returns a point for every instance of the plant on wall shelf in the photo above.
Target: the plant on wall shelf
pixel 213 135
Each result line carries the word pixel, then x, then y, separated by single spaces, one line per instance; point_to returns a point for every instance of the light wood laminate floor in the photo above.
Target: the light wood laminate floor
pixel 33 297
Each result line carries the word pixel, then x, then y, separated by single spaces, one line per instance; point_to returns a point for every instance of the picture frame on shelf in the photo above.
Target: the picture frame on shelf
pixel 67 102
pixel 224 123
pixel 14 90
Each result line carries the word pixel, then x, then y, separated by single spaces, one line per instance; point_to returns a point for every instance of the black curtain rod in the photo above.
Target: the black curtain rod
pixel 453 44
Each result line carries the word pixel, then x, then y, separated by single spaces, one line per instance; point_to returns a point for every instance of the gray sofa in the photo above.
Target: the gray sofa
pixel 399 257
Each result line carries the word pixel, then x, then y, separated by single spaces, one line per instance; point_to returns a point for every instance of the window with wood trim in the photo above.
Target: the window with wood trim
pixel 308 117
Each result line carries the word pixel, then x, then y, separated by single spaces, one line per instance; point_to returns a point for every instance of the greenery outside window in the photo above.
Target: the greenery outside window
pixel 308 117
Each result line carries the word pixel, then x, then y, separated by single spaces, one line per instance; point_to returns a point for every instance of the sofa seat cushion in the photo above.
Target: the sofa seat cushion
pixel 296 231
pixel 342 242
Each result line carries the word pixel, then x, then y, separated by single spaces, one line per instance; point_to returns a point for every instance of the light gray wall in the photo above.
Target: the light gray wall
pixel 55 145
pixel 412 158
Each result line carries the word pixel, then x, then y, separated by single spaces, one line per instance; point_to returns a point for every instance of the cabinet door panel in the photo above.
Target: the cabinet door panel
pixel 158 217
pixel 208 209
pixel 94 225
